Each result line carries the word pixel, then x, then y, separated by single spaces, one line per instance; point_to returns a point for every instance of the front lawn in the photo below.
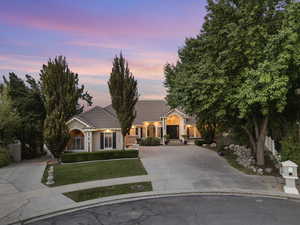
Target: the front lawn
pixel 82 172
pixel 100 192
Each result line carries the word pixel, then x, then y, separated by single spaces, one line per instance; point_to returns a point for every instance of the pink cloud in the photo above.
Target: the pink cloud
pixel 106 25
pixel 100 44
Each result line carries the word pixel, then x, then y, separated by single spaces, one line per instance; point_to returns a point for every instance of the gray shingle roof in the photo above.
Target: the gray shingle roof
pixel 147 110
pixel 98 117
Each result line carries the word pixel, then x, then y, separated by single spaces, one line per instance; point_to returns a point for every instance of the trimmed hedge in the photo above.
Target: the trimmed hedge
pixel 101 155
pixel 200 142
pixel 150 141
pixel 4 157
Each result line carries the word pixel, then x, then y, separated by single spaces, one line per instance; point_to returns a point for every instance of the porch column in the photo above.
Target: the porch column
pixel 146 129
pixel 88 141
pixel 164 130
pixel 156 130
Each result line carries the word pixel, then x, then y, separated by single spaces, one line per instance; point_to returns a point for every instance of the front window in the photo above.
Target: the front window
pixel 76 141
pixel 108 141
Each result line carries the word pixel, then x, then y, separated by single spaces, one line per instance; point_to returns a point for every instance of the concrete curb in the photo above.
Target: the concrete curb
pixel 150 195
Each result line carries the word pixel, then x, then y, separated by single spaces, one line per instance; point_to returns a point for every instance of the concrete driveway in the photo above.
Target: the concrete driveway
pixel 197 169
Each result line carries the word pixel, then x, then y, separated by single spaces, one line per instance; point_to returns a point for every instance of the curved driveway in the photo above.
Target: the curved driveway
pixel 194 168
pixel 188 210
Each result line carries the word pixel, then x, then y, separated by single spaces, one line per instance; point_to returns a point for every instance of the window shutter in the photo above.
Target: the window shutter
pixel 114 140
pixel 141 132
pixel 101 140
pixel 161 132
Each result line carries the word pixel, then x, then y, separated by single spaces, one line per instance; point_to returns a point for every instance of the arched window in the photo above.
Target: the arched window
pixel 76 141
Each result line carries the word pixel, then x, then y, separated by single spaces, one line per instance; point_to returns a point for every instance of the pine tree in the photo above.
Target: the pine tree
pixel 124 94
pixel 61 95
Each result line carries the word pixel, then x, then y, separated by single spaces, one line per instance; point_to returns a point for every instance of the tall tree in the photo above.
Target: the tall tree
pixel 235 68
pixel 9 119
pixel 124 94
pixel 27 102
pixel 61 96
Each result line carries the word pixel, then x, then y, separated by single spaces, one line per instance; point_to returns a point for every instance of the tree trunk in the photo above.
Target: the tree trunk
pixel 260 149
pixel 260 153
pixel 257 138
pixel 123 144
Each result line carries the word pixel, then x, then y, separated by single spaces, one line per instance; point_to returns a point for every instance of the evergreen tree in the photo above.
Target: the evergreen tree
pixel 61 95
pixel 9 119
pixel 124 94
pixel 26 100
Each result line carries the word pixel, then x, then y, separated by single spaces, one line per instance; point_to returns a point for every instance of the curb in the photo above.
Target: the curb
pixel 152 195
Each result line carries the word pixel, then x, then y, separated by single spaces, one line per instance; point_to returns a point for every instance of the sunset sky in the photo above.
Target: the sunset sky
pixel 91 32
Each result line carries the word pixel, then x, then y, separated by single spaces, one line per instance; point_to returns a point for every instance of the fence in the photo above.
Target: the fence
pixel 270 146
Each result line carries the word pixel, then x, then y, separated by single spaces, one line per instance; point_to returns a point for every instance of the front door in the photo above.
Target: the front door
pixel 173 131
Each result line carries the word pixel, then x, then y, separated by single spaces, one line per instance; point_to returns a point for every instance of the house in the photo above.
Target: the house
pixel 98 128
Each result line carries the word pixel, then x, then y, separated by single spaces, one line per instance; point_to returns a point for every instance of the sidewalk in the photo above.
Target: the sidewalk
pixel 22 195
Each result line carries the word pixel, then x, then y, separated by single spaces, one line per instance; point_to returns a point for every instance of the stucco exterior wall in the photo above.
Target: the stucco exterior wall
pixel 76 125
pixel 96 140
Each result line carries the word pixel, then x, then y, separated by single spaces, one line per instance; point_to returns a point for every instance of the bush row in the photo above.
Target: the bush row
pixel 149 141
pixel 200 142
pixel 4 157
pixel 101 155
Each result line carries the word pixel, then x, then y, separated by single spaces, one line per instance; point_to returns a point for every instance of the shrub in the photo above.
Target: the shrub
pixel 102 155
pixel 200 142
pixel 150 141
pixel 4 157
pixel 290 149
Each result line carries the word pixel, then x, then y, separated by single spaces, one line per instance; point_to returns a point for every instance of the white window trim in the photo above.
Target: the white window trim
pixel 104 134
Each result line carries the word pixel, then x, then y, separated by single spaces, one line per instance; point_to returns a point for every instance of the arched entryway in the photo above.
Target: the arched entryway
pixel 173 122
pixel 76 142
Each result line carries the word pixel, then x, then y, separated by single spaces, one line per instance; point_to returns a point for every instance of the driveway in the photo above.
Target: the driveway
pixel 194 168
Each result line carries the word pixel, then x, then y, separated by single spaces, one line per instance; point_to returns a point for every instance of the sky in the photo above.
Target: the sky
pixel 90 33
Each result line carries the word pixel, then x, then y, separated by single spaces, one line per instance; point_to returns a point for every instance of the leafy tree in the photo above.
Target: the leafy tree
pixel 27 102
pixel 9 119
pixel 241 68
pixel 61 94
pixel 207 128
pixel 124 94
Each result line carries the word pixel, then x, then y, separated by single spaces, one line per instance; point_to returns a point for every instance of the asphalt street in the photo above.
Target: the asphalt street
pixel 189 210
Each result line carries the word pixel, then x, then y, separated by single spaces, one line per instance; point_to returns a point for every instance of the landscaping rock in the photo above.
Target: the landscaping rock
pixel 213 145
pixel 260 171
pixel 268 170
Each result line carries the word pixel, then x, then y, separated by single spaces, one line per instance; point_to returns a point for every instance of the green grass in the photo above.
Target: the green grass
pixel 100 192
pixel 231 159
pixel 82 172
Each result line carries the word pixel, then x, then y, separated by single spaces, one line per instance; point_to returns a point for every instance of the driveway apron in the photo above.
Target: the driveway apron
pixel 194 168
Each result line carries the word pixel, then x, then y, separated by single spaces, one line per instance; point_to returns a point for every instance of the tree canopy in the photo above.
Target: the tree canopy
pixel 243 67
pixel 61 95
pixel 26 102
pixel 124 94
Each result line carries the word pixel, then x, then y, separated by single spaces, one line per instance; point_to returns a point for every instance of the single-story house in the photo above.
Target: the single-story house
pixel 98 128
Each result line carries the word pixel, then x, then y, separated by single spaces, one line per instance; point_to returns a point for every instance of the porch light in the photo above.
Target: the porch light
pixel 146 123
pixel 107 130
